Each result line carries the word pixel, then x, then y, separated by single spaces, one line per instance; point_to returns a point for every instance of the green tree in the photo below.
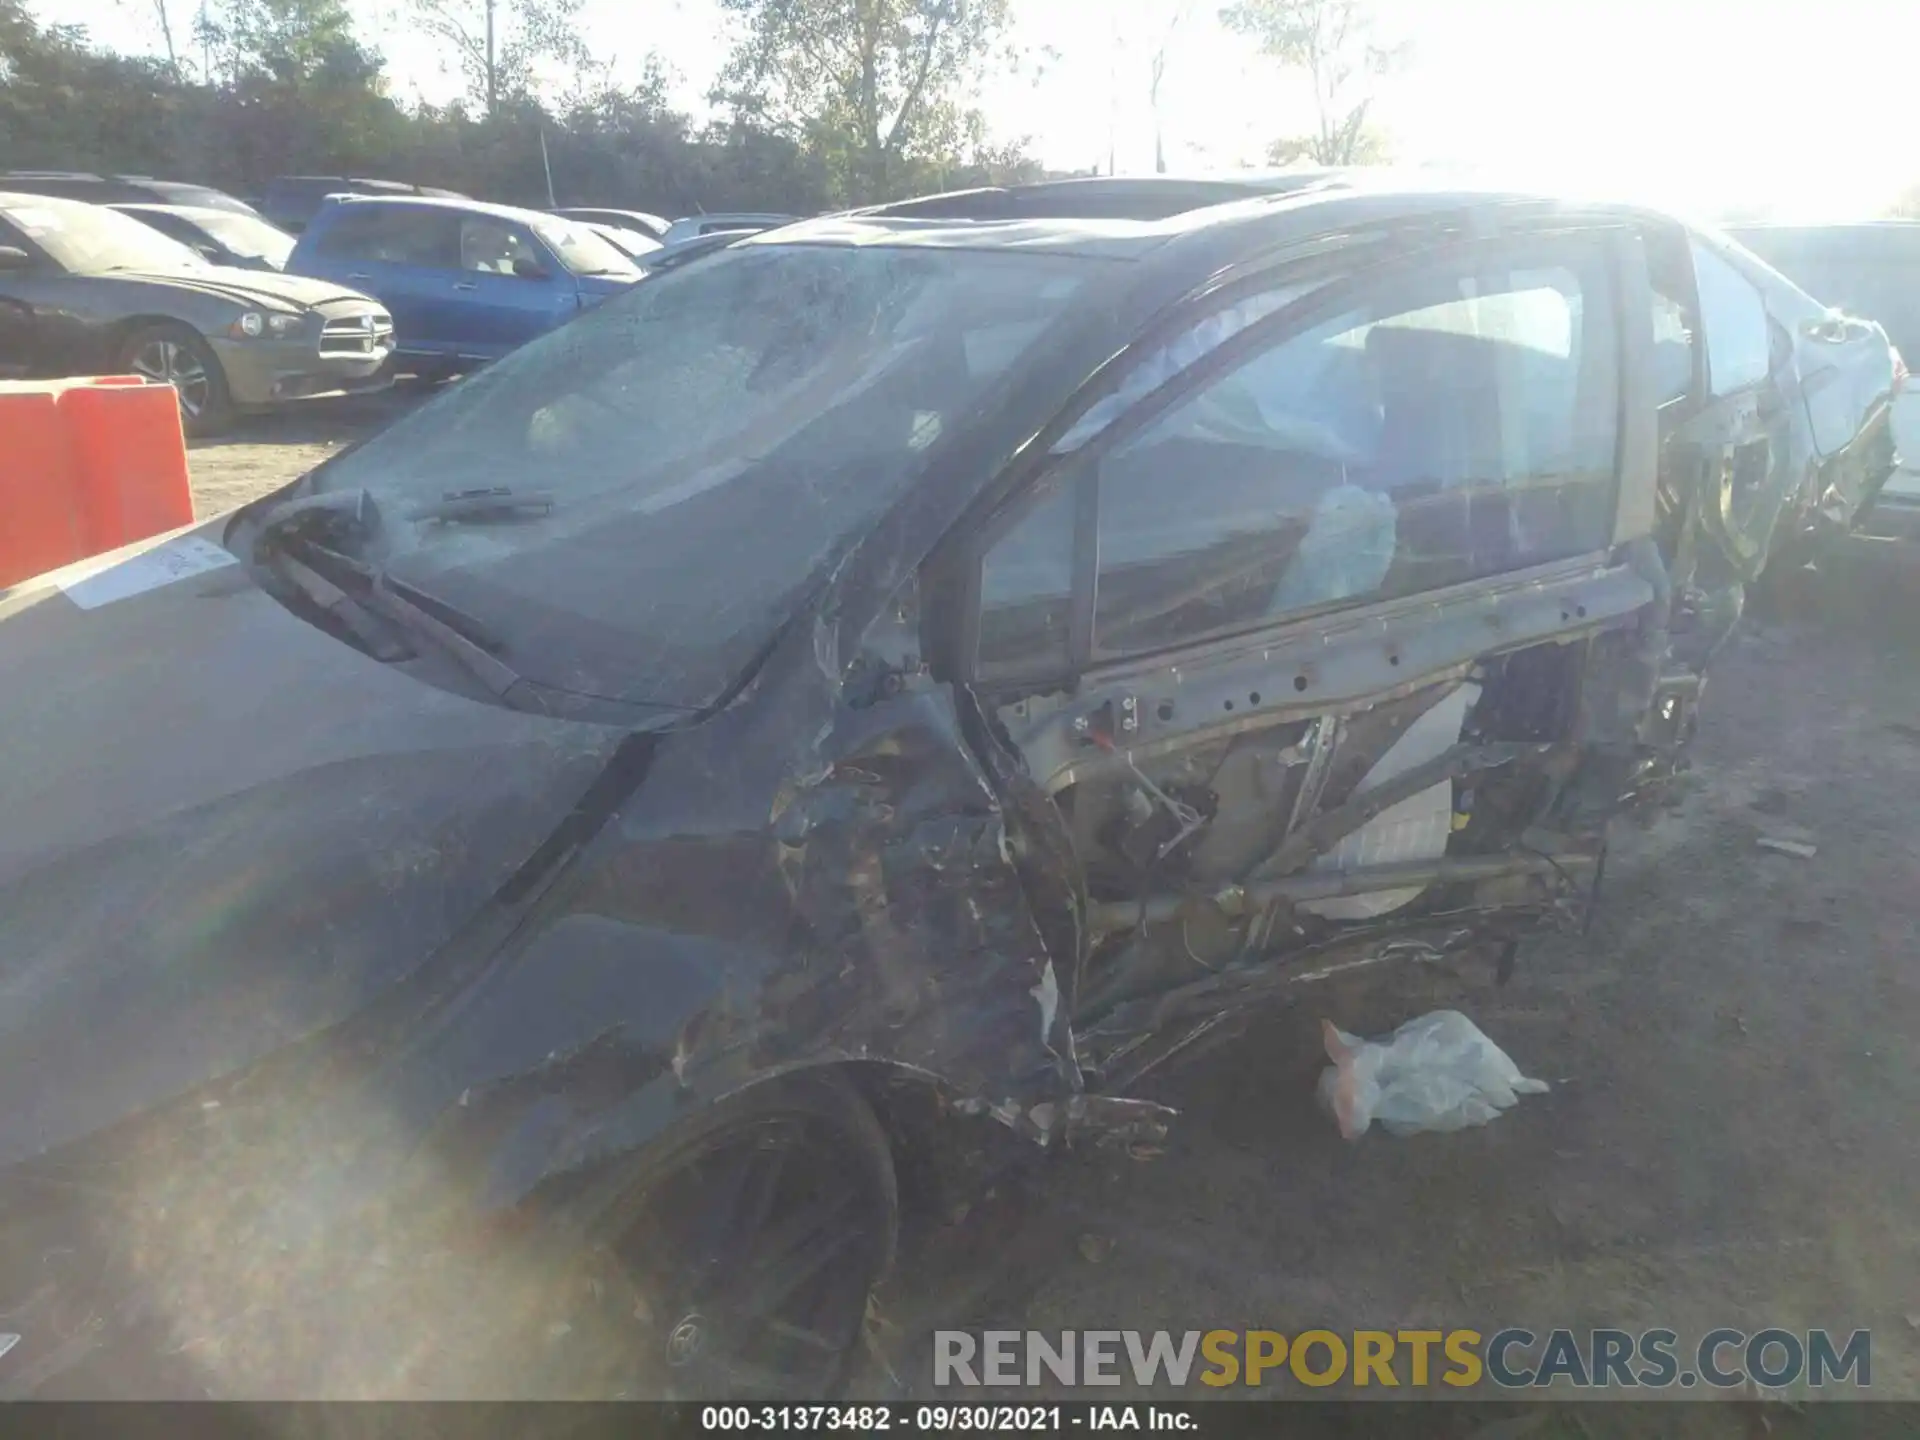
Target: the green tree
pixel 1335 43
pixel 65 105
pixel 290 40
pixel 498 43
pixel 881 89
pixel 1170 19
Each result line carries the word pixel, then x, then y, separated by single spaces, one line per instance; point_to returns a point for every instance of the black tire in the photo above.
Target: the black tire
pixel 177 355
pixel 733 1259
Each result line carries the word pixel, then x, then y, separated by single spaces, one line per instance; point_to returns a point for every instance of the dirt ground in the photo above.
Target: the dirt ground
pixel 1727 1141
pixel 1729 1137
pixel 263 452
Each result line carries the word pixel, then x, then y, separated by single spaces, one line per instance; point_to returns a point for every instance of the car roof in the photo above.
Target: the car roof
pixel 88 178
pixel 601 210
pixel 1182 252
pixel 1281 207
pixel 1127 197
pixel 201 214
pixel 9 198
pixel 307 183
pixel 458 204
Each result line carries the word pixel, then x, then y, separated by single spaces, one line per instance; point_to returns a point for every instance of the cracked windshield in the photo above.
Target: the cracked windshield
pixel 951 715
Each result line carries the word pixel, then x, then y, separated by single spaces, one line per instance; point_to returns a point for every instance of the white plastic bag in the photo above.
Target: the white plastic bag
pixel 1434 1073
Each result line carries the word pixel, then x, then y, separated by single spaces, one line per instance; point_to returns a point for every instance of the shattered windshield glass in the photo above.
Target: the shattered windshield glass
pixel 678 464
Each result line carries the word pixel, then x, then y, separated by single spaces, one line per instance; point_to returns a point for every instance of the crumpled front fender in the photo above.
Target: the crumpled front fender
pixel 763 904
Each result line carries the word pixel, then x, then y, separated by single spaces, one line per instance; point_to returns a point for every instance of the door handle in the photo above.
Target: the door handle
pixel 466 284
pixel 352 276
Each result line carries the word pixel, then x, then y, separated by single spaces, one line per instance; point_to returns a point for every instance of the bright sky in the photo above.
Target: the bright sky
pixel 1803 108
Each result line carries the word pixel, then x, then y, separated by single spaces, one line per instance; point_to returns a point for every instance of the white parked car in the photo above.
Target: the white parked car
pixel 692 226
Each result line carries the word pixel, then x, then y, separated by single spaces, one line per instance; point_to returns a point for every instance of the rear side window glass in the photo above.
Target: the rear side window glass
pixel 1734 319
pixel 393 236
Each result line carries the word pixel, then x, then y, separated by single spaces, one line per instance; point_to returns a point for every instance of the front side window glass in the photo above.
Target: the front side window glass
pixel 392 235
pixel 1444 428
pixel 1026 588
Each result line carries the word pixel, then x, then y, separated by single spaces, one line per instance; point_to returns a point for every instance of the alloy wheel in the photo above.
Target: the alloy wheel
pixel 744 1270
pixel 172 363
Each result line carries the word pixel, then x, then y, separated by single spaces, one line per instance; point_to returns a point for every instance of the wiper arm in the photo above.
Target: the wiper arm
pixel 495 503
pixel 409 609
pixel 330 600
pixel 474 651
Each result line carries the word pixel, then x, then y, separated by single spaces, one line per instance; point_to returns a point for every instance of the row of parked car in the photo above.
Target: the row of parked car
pixel 328 284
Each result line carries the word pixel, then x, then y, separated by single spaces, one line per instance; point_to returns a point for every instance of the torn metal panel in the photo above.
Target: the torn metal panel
pixel 1323 667
pixel 866 906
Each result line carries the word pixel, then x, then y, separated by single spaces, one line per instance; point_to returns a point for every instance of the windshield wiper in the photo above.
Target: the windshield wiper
pixel 497 502
pixel 338 606
pixel 407 608
pixel 456 634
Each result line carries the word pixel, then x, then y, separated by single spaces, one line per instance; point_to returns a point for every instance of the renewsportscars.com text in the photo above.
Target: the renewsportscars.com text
pixel 1511 1358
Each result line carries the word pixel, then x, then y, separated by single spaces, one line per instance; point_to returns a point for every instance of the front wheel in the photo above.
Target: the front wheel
pixel 178 356
pixel 735 1261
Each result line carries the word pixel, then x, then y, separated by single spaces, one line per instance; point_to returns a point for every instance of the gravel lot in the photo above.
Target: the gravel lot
pixel 263 452
pixel 1728 1140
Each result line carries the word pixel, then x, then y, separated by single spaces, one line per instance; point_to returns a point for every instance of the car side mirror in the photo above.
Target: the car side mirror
pixel 208 253
pixel 12 257
pixel 529 269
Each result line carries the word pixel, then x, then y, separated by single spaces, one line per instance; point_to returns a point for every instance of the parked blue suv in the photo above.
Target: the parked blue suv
pixel 464 281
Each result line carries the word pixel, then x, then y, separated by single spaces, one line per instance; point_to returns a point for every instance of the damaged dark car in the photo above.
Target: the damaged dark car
pixel 464 918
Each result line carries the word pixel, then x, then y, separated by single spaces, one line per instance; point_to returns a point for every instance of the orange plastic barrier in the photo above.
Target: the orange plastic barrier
pixel 86 466
pixel 41 527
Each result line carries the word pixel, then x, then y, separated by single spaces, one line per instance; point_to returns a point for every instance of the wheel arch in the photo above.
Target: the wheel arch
pixel 907 1103
pixel 116 335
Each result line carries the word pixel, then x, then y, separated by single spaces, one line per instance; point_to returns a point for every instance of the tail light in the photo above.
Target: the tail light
pixel 1899 370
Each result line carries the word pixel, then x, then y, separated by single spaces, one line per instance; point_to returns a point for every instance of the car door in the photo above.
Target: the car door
pixel 1315 544
pixel 19 356
pixel 1727 476
pixel 510 287
pixel 406 257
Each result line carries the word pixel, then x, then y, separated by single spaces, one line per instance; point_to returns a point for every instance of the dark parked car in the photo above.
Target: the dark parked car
pixel 85 290
pixel 507 885
pixel 650 225
pixel 631 243
pixel 116 189
pixel 219 237
pixel 466 282
pixel 1870 269
pixel 291 201
pixel 685 252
